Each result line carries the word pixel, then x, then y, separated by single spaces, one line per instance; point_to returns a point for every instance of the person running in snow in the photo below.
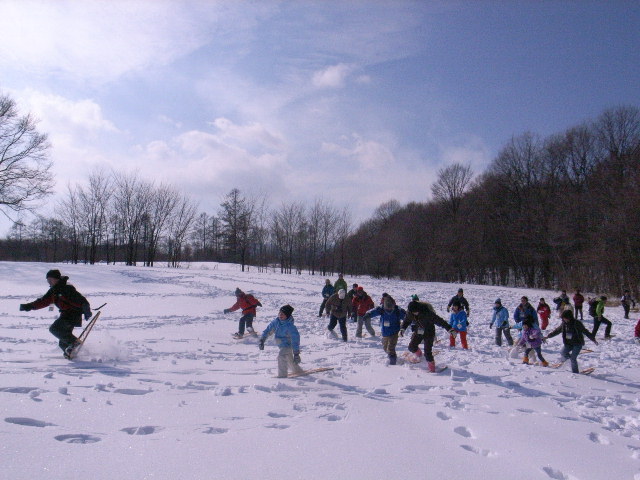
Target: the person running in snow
pixel 248 304
pixel 521 312
pixel 531 339
pixel 338 308
pixel 544 312
pixel 573 333
pixel 627 301
pixel 340 283
pixel 425 319
pixel 362 303
pixel 458 322
pixel 350 295
pixel 391 316
pixel 327 291
pixel 600 318
pixel 459 297
pixel 71 304
pixel 578 302
pixel 287 339
pixel 562 302
pixel 501 321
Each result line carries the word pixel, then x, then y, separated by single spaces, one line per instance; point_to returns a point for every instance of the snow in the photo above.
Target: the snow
pixel 162 391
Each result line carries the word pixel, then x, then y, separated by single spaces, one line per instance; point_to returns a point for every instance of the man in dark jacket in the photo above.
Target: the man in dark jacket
pixel 459 298
pixel 425 318
pixel 72 306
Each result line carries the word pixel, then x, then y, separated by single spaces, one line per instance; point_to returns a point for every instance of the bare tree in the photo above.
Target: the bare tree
pixel 180 224
pixel 451 185
pixel 25 175
pixel 163 200
pixel 131 201
pixel 94 204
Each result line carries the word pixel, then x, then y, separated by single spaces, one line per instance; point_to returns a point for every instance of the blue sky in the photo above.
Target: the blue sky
pixel 357 102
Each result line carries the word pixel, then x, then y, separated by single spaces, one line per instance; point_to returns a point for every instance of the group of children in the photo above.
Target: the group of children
pixel 394 321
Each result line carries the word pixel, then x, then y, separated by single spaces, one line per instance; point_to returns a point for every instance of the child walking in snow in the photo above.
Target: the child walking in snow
pixel 248 304
pixel 531 340
pixel 287 339
pixel 391 316
pixel 458 322
pixel 573 333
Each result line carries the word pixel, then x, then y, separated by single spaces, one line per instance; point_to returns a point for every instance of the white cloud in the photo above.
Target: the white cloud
pixel 332 77
pixel 102 40
pixel 59 115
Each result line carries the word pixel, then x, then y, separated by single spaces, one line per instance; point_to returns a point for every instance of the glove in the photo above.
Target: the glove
pixel 258 304
pixel 86 311
pixel 453 333
pixel 296 358
pixel 402 332
pixel 261 344
pixel 448 308
pixel 490 326
pixel 24 307
pixel 226 310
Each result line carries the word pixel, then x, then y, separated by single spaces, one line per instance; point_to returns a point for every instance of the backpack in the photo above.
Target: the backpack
pixel 592 306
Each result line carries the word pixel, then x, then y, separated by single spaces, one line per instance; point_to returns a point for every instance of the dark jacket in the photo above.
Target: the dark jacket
pixel 573 333
pixel 64 296
pixel 426 319
pixel 328 290
pixel 461 300
pixel 338 307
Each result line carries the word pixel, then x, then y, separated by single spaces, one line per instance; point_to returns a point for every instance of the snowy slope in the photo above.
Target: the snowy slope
pixel 162 391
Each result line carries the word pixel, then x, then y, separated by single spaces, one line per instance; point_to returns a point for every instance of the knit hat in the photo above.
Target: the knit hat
pixel 238 292
pixel 498 301
pixel 54 274
pixel 287 310
pixel 415 297
pixel 342 293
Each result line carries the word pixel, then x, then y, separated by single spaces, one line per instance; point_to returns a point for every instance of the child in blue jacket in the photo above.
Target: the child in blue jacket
pixel 458 322
pixel 287 339
pixel 391 316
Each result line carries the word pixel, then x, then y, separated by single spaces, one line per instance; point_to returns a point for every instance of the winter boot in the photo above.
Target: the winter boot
pixel 545 364
pixel 251 331
pixel 525 359
pixel 393 359
pixel 431 366
pixel 237 335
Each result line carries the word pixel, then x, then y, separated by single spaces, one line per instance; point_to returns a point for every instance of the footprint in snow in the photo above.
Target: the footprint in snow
pixel 557 474
pixel 480 451
pixel 443 416
pixel 463 431
pixel 28 422
pixel 597 438
pixel 277 415
pixel 148 430
pixel 277 426
pixel 77 438
pixel 215 430
pixel 131 391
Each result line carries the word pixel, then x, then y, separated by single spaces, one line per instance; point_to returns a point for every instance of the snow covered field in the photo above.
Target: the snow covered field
pixel 162 391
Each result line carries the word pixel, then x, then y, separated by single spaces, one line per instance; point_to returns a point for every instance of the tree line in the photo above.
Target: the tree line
pixel 556 212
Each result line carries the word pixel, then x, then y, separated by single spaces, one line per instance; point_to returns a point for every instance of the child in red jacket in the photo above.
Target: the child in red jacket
pixel 637 333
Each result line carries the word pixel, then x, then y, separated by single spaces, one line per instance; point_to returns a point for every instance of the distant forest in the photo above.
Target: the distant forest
pixel 555 212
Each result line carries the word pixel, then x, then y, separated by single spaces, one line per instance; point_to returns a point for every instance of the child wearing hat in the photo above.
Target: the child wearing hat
pixel 531 340
pixel 287 339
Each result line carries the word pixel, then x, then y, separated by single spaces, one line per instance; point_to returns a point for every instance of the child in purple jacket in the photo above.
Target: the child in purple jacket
pixel 532 340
